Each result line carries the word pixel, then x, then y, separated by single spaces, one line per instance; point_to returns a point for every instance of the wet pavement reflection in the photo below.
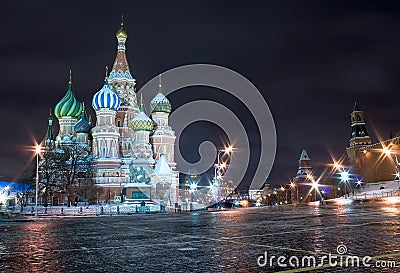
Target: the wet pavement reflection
pixel 224 241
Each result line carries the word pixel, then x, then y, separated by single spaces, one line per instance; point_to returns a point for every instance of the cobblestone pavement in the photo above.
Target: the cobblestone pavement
pixel 224 241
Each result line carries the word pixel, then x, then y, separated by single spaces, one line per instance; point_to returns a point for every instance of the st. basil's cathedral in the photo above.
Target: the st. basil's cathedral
pixel 132 154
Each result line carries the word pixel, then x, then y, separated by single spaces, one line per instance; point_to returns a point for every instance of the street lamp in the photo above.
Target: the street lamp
pixel 38 150
pixel 293 186
pixel 218 170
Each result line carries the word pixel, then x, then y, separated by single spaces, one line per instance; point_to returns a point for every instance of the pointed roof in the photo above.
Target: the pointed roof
pixel 162 167
pixel 120 76
pixel 50 132
pixel 304 155
pixel 355 108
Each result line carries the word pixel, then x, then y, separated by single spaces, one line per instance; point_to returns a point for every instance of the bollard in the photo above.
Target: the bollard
pixel 80 210
pixel 117 209
pixel 62 211
pixel 101 210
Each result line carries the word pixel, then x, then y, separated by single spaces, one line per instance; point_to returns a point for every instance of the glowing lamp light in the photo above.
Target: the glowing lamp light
pixel 282 188
pixel 192 187
pixel 358 183
pixel 337 166
pixel 229 149
pixel 344 176
pixel 314 185
pixel 292 184
pixel 397 175
pixel 38 149
pixel 386 151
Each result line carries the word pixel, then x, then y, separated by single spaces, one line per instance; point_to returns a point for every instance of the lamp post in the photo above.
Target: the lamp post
pixel 38 149
pixel 293 186
pixel 218 170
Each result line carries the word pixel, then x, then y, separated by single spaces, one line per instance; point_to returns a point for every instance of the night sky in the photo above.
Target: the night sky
pixel 310 59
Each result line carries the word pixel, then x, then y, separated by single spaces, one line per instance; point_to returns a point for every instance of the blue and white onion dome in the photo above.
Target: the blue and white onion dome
pixel 106 98
pixel 142 122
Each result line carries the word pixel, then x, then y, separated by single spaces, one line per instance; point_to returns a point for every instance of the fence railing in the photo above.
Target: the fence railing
pixel 82 210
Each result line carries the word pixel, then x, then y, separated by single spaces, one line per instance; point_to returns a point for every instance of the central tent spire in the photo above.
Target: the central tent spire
pixel 120 76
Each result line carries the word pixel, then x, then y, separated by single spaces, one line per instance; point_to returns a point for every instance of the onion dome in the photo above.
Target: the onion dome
pixel 106 97
pixel 160 103
pixel 142 122
pixel 68 106
pixel 82 126
pixel 121 33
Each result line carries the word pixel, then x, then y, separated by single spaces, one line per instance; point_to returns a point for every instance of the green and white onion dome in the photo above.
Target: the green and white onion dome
pixel 160 103
pixel 82 126
pixel 142 122
pixel 68 106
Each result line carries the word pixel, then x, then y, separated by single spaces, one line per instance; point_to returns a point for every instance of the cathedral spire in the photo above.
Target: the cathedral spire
pixel 120 76
pixel 70 79
pixel 106 76
pixel 49 141
pixel 159 84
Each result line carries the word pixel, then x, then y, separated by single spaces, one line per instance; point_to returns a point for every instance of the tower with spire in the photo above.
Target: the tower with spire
pixel 141 147
pixel 129 152
pixel 162 137
pixel 123 84
pixel 50 140
pixel 359 134
pixel 299 193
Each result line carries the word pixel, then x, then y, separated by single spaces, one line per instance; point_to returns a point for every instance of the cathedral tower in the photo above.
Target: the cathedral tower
pixel 124 86
pixel 142 151
pixel 105 134
pixel 49 140
pixel 162 137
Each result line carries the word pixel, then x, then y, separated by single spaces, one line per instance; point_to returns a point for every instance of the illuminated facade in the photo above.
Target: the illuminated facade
pixel 371 162
pixel 130 151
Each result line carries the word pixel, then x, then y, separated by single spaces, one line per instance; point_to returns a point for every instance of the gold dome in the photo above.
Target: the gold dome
pixel 121 33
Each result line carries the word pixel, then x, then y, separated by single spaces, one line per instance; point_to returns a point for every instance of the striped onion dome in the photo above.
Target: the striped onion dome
pixel 160 103
pixel 142 122
pixel 106 98
pixel 82 126
pixel 68 106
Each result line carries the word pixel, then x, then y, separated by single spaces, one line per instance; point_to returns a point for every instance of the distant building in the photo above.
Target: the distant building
pixel 301 188
pixel 371 162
